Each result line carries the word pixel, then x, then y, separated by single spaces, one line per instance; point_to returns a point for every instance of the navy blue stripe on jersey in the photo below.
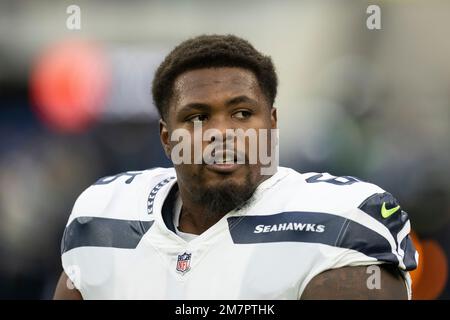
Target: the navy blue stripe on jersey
pixel 373 206
pixel 371 243
pixel 286 226
pixel 311 227
pixel 103 232
pixel 410 253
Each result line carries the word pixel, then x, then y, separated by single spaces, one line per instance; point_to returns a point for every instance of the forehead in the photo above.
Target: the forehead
pixel 215 83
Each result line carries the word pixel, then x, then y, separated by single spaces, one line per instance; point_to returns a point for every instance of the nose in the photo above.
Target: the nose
pixel 222 128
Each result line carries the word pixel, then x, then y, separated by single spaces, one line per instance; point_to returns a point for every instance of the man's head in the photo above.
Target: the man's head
pixel 222 83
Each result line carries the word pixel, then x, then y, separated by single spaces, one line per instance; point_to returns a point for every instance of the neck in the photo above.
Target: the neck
pixel 195 221
pixel 195 217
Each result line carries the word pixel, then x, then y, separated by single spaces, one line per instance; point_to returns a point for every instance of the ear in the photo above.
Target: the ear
pixel 273 117
pixel 164 136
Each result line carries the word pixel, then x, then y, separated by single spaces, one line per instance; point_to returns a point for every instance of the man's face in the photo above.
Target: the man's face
pixel 218 98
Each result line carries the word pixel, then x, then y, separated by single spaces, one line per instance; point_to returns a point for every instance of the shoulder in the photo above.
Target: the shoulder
pixel 340 190
pixel 333 194
pixel 355 199
pixel 360 223
pixel 108 196
pixel 353 214
pixel 112 212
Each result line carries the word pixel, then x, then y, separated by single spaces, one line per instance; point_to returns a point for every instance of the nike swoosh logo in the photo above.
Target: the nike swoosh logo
pixel 386 213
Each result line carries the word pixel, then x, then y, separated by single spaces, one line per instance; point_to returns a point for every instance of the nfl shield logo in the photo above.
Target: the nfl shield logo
pixel 183 262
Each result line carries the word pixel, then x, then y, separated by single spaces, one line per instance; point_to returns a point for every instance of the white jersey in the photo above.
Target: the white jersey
pixel 120 241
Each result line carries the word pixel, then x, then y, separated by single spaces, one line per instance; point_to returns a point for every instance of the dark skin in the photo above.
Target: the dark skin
pixel 65 290
pixel 350 283
pixel 220 98
pixel 232 98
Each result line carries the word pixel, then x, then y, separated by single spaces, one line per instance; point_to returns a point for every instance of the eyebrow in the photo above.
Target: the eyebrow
pixel 204 106
pixel 240 99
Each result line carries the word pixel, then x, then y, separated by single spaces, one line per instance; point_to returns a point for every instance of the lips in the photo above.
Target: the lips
pixel 225 161
pixel 227 157
pixel 224 157
pixel 223 168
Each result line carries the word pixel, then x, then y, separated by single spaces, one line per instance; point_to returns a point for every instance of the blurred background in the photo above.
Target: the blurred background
pixel 75 105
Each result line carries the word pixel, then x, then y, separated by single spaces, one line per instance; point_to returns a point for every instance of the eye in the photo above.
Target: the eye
pixel 198 117
pixel 242 114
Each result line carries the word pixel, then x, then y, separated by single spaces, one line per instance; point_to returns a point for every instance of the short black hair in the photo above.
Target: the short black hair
pixel 210 51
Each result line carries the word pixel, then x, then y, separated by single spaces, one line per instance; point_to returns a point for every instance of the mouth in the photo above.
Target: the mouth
pixel 226 162
pixel 223 167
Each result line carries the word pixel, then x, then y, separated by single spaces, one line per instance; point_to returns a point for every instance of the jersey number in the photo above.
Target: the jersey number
pixel 109 179
pixel 340 181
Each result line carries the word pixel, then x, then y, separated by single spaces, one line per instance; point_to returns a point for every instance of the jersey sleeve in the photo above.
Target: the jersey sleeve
pixel 393 224
pixel 70 263
pixel 388 240
pixel 376 232
pixel 98 220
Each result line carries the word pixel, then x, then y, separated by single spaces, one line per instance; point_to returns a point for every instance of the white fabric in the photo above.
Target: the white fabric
pixel 220 268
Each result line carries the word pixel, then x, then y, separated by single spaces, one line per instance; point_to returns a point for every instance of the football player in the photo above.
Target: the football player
pixel 224 229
